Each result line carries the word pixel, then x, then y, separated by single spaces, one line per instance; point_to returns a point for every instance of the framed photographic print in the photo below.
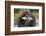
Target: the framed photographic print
pixel 24 17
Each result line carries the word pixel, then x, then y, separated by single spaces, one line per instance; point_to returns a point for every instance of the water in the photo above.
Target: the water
pixel 37 21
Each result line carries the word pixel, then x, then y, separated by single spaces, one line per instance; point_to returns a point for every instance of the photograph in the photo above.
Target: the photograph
pixel 24 17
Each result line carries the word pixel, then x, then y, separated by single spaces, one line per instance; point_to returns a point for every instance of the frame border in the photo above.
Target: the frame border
pixel 8 14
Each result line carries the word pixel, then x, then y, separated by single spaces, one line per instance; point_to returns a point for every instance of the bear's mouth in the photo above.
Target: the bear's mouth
pixel 29 18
